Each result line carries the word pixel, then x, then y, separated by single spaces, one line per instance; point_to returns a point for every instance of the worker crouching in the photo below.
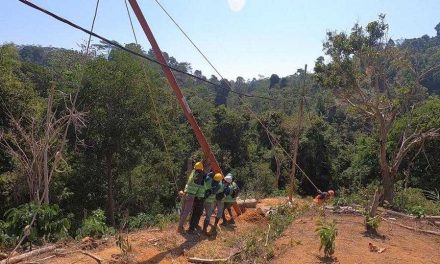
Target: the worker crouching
pixel 214 198
pixel 323 197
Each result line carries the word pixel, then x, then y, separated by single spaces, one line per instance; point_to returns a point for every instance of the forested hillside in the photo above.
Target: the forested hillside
pixel 82 132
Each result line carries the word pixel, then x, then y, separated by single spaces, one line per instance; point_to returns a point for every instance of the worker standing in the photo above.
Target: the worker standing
pixel 214 198
pixel 199 203
pixel 194 184
pixel 230 199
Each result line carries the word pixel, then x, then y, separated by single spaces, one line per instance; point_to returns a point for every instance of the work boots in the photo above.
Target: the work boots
pixel 225 221
pixel 205 229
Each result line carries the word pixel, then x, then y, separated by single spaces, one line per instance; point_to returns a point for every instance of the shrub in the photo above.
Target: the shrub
pixel 5 239
pixel 327 233
pixel 49 225
pixel 94 225
pixel 413 201
pixel 141 220
pixel 279 193
pixel 360 197
pixel 280 219
pixel 147 220
pixel 372 223
pixel 165 220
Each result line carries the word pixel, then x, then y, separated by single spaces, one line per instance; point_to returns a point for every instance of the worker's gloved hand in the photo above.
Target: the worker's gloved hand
pixel 234 193
pixel 208 193
pixel 220 196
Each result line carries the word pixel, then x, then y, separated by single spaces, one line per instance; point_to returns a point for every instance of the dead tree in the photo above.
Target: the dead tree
pixel 295 138
pixel 37 144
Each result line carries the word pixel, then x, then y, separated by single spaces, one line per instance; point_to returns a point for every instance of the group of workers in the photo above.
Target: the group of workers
pixel 207 192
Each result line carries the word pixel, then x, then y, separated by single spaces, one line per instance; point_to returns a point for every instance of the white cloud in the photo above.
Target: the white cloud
pixel 236 5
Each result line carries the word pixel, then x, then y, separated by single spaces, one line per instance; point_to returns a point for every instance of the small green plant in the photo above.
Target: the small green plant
pixel 417 211
pixel 123 243
pixel 327 233
pixel 372 223
pixel 93 225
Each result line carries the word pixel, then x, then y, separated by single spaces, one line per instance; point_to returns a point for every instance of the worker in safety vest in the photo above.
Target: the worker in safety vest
pixel 195 183
pixel 199 203
pixel 231 191
pixel 324 196
pixel 214 198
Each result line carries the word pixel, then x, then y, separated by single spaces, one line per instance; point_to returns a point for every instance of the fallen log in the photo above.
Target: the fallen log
pixel 432 218
pixel 201 260
pixel 28 255
pixel 412 228
pixel 247 203
pixel 97 258
pixel 39 260
pixel 222 260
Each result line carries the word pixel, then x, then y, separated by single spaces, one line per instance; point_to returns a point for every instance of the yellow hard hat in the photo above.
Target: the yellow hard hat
pixel 218 177
pixel 198 166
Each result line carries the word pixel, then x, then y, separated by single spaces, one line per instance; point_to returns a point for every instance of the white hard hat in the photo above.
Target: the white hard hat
pixel 228 178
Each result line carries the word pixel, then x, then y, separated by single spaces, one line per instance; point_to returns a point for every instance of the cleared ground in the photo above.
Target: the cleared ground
pixel 297 244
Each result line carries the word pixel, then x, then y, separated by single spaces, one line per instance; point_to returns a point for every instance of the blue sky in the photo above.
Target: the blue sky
pixel 263 37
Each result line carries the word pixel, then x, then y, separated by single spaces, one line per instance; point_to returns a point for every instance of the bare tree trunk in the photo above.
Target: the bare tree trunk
pixel 407 173
pixel 46 178
pixel 294 147
pixel 295 140
pixel 110 188
pixel 278 172
pixel 387 176
pixel 388 185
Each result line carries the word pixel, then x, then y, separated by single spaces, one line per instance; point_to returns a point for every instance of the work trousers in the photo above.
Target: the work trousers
pixel 188 202
pixel 227 206
pixel 197 213
pixel 209 209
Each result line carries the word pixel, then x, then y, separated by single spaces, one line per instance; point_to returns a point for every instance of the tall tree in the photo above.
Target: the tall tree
pixel 274 80
pixel 376 78
pixel 115 97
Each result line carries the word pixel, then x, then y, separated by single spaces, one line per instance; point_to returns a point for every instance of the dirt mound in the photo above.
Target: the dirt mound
pixel 252 216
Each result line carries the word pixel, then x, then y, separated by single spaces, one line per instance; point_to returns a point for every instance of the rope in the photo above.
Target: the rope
pixel 131 22
pixel 247 107
pixel 150 95
pixel 93 25
pixel 188 38
pixel 117 45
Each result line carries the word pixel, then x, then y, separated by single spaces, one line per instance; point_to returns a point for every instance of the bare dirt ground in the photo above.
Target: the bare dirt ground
pixel 297 244
pixel 167 246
